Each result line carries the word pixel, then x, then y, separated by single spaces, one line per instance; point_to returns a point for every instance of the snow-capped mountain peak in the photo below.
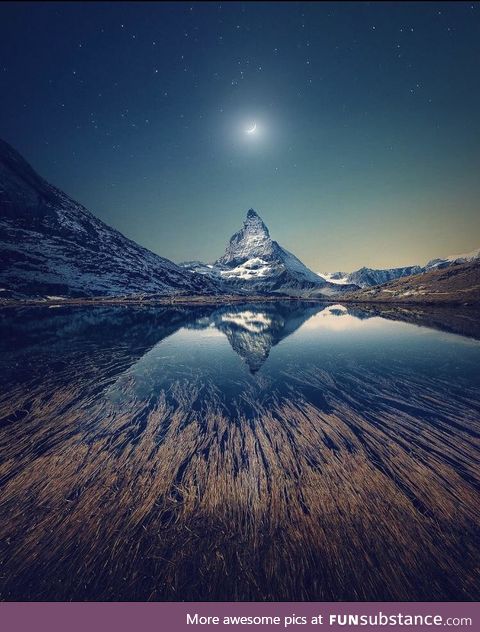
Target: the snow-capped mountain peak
pixel 255 223
pixel 251 241
pixel 254 262
pixel 339 278
pixel 446 261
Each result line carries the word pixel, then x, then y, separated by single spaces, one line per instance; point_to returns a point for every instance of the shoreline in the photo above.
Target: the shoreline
pixel 229 299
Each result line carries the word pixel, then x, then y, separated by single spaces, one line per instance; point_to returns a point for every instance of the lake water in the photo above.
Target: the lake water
pixel 276 451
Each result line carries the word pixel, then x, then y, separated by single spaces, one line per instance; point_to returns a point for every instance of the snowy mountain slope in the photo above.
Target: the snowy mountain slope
pixel 339 278
pixel 451 259
pixel 254 262
pixel 51 245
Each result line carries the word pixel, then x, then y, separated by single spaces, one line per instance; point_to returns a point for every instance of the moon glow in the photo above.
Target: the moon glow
pixel 252 129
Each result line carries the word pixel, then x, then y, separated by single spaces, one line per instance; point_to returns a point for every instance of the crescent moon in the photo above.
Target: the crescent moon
pixel 252 129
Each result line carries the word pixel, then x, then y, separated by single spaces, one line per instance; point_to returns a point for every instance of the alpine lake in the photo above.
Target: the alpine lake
pixel 279 451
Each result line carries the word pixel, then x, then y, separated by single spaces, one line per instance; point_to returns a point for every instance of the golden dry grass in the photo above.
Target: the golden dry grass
pixel 372 497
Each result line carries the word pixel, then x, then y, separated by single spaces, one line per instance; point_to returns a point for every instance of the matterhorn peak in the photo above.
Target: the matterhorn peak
pixel 252 214
pixel 251 241
pixel 255 222
pixel 253 261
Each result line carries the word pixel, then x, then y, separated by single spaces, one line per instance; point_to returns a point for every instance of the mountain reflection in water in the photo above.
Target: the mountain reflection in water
pixel 277 451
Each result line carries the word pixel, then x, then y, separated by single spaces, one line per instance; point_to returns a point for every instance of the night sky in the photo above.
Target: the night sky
pixel 367 142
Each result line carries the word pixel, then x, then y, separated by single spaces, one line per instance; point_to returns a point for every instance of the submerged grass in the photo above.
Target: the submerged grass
pixel 371 497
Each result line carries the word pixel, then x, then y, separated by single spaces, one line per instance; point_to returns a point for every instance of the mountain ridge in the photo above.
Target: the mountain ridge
pixel 457 283
pixel 369 277
pixel 50 244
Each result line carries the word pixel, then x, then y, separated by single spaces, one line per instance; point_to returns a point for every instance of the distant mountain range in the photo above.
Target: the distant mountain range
pixel 368 277
pixel 51 246
pixel 454 282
